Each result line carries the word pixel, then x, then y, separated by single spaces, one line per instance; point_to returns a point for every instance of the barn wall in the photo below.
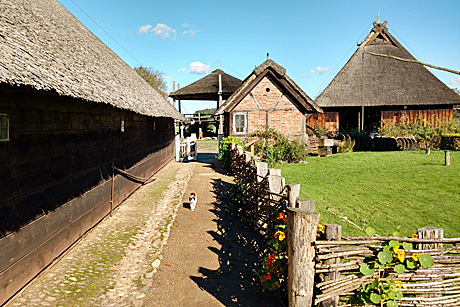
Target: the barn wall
pixel 432 116
pixel 328 121
pixel 56 174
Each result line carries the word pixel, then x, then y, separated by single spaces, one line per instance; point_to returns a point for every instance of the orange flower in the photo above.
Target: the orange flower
pixel 395 249
pixel 282 236
pixel 398 284
pixel 401 256
pixel 281 216
pixel 267 277
pixel 414 236
pixel 415 257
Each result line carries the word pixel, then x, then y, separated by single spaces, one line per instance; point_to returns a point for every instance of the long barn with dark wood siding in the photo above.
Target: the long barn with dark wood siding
pixel 70 108
pixel 373 87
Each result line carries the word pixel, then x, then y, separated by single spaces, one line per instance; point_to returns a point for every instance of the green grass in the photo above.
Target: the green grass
pixel 383 190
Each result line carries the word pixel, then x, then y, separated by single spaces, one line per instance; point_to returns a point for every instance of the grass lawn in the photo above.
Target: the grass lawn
pixel 383 190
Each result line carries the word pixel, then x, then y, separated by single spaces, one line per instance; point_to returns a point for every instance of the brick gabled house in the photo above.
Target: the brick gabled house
pixel 267 98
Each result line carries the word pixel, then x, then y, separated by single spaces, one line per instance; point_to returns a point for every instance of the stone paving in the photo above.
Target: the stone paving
pixel 115 263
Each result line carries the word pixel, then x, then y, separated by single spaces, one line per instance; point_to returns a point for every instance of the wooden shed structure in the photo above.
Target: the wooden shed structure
pixel 70 108
pixel 207 88
pixel 371 88
pixel 267 98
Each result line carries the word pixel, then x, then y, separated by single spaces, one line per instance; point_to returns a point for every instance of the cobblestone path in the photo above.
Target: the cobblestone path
pixel 113 265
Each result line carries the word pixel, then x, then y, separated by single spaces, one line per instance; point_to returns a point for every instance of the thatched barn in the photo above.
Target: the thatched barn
pixel 371 88
pixel 267 98
pixel 207 88
pixel 70 109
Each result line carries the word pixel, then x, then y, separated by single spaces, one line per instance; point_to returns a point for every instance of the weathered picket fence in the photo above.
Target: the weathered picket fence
pixel 327 271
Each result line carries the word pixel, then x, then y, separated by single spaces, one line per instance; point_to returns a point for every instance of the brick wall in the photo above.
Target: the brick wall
pixel 267 105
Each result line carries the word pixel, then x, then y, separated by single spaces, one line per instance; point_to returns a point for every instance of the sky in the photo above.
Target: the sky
pixel 312 40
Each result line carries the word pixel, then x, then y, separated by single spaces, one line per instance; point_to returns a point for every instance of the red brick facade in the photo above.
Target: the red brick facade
pixel 266 105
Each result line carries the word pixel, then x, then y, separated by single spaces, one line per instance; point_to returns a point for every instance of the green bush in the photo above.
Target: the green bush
pixel 275 149
pixel 224 148
pixel 450 141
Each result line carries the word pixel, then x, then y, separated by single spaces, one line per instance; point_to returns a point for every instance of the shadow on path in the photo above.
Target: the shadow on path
pixel 233 283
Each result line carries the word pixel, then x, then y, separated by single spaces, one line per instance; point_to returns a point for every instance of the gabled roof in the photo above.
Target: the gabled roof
pixel 383 81
pixel 277 74
pixel 207 88
pixel 44 47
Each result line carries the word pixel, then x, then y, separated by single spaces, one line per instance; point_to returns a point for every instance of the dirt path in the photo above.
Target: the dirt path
pixel 210 254
pixel 154 251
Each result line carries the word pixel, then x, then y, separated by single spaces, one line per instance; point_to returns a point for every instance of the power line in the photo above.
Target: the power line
pixel 107 33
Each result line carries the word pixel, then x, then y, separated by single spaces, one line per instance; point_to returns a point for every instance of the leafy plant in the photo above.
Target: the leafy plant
pixel 224 148
pixel 392 258
pixel 274 148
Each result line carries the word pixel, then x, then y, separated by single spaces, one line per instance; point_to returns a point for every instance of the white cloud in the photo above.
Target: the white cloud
pixel 199 68
pixel 190 33
pixel 455 81
pixel 167 77
pixel 164 31
pixel 182 70
pixel 185 25
pixel 320 70
pixel 144 29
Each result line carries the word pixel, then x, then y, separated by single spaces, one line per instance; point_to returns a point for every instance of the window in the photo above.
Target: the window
pixel 239 123
pixel 4 127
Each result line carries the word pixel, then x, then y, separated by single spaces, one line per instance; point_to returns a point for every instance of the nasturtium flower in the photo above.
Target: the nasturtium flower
pixel 398 284
pixel 415 257
pixel 321 228
pixel 282 236
pixel 281 216
pixel 395 249
pixel 267 277
pixel 414 236
pixel 401 256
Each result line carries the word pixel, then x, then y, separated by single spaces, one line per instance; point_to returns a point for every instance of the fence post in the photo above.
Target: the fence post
pixel 247 157
pixel 239 148
pixel 177 148
pixel 262 170
pixel 302 227
pixel 293 191
pixel 333 233
pixel 430 233
pixel 447 157
pixel 276 184
pixel 306 204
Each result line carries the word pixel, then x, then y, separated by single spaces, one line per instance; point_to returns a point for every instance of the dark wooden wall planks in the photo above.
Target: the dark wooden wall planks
pixel 55 174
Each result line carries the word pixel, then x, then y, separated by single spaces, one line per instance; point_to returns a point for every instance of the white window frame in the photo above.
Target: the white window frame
pixel 7 128
pixel 245 128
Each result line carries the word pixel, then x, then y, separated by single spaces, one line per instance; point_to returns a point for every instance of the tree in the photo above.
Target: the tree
pixel 154 78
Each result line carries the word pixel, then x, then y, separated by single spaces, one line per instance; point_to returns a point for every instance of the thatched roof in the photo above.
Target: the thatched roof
pixel 44 47
pixel 277 74
pixel 207 88
pixel 384 81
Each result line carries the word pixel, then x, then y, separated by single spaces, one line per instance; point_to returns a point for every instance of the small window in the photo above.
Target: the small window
pixel 4 127
pixel 239 123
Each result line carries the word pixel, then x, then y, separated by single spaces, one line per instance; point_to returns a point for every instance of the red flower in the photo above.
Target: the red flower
pixel 267 277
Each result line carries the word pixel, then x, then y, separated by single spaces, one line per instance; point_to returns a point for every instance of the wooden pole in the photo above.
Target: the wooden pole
pixel 447 157
pixel 306 204
pixel 414 61
pixel 430 233
pixel 302 227
pixel 333 233
pixel 293 191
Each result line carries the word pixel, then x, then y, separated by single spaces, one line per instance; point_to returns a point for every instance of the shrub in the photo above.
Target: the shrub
pixel 450 141
pixel 224 148
pixel 274 148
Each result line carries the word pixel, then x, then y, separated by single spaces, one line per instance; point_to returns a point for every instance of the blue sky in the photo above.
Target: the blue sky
pixel 311 39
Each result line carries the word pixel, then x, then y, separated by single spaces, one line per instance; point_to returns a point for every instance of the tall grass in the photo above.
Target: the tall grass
pixel 384 190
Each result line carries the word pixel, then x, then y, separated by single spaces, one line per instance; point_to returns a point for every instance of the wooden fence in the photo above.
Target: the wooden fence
pixel 326 271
